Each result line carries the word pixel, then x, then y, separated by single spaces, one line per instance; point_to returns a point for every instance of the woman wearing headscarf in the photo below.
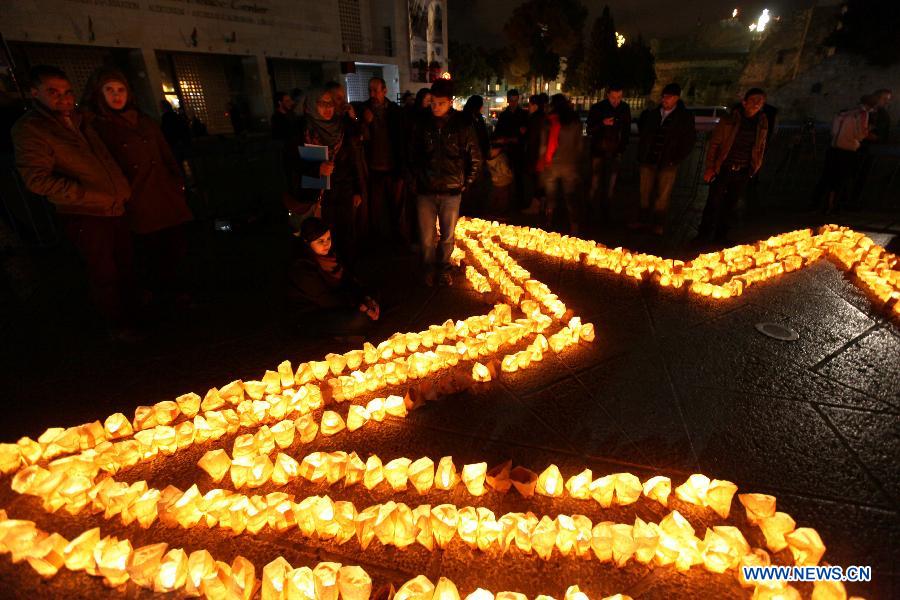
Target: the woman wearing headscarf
pixel 158 210
pixel 327 298
pixel 322 126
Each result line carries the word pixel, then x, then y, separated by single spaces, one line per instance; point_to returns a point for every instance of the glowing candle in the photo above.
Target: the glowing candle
pixel 445 477
pixel 550 482
pixel 473 476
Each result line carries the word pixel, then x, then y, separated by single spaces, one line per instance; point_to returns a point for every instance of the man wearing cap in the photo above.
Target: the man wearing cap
pixel 512 127
pixel 667 136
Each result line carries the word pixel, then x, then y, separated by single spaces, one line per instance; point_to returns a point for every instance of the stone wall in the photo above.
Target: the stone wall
pixel 834 84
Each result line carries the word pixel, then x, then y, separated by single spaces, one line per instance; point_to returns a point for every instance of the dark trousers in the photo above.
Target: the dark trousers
pixel 604 172
pixel 565 178
pixel 385 206
pixel 836 183
pixel 160 258
pixel 724 193
pixel 105 245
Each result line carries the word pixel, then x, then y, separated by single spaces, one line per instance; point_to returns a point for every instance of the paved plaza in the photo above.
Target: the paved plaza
pixel 673 385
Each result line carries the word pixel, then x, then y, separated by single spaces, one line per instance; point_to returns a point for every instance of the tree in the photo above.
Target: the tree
pixel 540 32
pixel 636 67
pixel 870 28
pixel 574 83
pixel 601 59
pixel 470 68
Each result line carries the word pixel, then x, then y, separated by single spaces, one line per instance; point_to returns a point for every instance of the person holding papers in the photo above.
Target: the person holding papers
pixel 325 172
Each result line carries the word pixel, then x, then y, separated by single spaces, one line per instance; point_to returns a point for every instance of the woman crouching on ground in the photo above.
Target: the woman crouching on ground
pixel 328 298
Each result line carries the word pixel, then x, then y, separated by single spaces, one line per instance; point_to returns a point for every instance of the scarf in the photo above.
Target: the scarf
pixel 330 267
pixel 320 131
pixel 552 139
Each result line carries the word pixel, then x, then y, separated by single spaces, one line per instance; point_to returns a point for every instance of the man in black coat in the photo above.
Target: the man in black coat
pixel 382 127
pixel 609 125
pixel 444 160
pixel 667 136
pixel 511 130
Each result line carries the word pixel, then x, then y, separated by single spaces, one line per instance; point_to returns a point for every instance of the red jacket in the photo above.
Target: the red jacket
pixel 157 184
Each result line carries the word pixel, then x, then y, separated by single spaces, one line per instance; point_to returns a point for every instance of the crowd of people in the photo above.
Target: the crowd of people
pixel 117 187
pixel 377 173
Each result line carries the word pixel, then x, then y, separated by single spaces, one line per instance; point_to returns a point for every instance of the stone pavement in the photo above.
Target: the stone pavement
pixel 672 385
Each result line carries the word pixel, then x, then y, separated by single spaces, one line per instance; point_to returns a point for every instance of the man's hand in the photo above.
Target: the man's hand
pixel 609 121
pixel 326 168
pixel 368 116
pixel 709 175
pixel 357 200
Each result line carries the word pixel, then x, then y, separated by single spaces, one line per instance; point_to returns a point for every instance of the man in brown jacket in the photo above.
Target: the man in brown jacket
pixel 735 154
pixel 61 157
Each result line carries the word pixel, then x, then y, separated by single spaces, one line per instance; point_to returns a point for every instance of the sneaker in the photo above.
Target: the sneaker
pixel 446 280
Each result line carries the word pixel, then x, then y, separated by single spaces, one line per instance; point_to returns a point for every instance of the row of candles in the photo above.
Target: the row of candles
pixel 274 397
pixel 728 272
pixel 158 568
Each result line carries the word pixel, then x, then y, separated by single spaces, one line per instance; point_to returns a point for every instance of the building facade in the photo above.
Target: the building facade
pixel 222 60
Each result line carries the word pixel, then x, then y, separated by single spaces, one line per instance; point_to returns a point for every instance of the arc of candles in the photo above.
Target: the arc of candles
pixel 254 404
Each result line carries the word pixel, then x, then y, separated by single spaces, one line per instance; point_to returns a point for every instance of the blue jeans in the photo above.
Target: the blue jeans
pixel 445 209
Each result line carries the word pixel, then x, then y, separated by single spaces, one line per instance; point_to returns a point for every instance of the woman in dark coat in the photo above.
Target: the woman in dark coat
pixel 322 126
pixel 476 196
pixel 157 210
pixel 327 298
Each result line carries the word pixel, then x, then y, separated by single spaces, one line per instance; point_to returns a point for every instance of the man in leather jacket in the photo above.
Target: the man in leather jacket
pixel 444 160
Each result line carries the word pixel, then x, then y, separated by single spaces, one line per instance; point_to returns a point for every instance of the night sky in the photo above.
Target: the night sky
pixel 480 22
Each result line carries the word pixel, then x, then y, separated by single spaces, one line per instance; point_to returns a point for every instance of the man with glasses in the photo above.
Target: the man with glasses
pixel 60 156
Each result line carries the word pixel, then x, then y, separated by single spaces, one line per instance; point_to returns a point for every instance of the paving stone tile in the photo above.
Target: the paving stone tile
pixel 527 381
pixel 606 426
pixel 870 365
pixel 637 397
pixel 490 414
pixel 729 354
pixel 673 311
pixel 762 441
pixel 876 440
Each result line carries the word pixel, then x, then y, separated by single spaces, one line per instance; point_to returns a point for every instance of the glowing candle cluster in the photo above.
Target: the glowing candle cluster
pixel 73 469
